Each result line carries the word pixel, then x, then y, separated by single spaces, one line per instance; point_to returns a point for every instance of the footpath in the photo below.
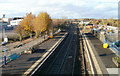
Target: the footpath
pixel 105 55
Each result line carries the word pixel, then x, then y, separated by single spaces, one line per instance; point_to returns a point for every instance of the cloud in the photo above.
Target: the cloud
pixel 59 8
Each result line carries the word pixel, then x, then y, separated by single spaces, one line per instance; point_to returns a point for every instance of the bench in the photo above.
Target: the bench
pixel 14 56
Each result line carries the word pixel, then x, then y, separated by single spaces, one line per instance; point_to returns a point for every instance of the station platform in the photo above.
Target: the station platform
pixel 105 54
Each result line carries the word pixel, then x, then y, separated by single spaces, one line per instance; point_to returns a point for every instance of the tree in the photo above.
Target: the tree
pixel 116 23
pixel 20 31
pixel 104 22
pixel 56 22
pixel 36 26
pixel 27 23
pixel 111 21
pixel 95 22
pixel 42 23
pixel 46 22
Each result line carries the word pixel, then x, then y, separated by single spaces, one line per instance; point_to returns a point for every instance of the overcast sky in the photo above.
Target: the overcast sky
pixel 61 8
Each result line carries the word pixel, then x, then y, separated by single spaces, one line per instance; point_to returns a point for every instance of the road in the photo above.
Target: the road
pixel 64 61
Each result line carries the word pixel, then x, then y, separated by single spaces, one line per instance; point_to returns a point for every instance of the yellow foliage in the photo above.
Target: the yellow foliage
pixel 37 24
pixel 42 22
pixel 27 22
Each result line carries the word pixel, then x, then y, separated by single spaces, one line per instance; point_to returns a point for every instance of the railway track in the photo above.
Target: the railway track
pixel 72 57
pixel 63 60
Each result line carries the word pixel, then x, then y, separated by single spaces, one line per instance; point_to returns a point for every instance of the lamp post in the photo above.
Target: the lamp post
pixel 3 41
pixel 3 25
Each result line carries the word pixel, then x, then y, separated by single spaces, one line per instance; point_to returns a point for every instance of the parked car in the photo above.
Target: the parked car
pixel 4 43
pixel 18 46
pixel 4 50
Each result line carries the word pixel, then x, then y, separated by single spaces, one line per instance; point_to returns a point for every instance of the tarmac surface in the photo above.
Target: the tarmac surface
pixel 20 65
pixel 105 54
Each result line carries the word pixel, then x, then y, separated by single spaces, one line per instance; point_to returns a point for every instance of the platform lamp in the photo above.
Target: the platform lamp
pixel 4 41
pixel 2 26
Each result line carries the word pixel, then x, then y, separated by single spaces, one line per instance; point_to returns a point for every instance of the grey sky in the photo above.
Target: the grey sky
pixel 61 8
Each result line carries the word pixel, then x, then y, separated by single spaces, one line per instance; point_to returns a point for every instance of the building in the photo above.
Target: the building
pixel 84 22
pixel 112 28
pixel 15 21
pixel 3 25
pixel 5 19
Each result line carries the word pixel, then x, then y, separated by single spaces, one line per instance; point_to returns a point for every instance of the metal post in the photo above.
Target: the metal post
pixel 44 37
pixel 4 57
pixel 2 29
pixel 2 25
pixel 2 38
pixel 5 60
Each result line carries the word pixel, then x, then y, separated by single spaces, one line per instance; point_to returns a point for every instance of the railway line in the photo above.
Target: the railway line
pixel 63 60
pixel 71 57
pixel 73 54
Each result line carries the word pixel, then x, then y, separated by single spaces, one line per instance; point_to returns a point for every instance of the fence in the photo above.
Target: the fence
pixel 15 53
pixel 109 38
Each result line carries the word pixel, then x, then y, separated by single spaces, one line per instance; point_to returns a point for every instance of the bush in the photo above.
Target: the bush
pixel 117 59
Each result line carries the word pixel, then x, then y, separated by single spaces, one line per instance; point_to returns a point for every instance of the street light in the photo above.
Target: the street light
pixel 4 41
pixel 3 25
pixel 2 29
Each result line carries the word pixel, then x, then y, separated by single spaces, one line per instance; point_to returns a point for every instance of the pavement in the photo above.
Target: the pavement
pixel 20 65
pixel 105 54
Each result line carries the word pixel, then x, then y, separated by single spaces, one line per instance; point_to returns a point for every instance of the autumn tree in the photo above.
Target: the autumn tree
pixel 36 26
pixel 20 32
pixel 111 21
pixel 116 23
pixel 46 22
pixel 27 23
pixel 104 22
pixel 95 22
pixel 56 22
pixel 41 23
